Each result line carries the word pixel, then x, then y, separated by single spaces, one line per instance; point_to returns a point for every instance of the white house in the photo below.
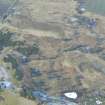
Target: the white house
pixel 71 95
pixel 5 85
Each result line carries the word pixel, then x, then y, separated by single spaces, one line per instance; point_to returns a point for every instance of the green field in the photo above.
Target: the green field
pixel 96 6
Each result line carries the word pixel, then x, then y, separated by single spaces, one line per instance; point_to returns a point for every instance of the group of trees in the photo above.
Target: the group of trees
pixel 27 92
pixel 5 39
pixel 28 50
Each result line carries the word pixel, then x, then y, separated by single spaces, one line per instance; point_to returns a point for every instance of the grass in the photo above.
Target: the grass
pixel 10 98
pixel 14 99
